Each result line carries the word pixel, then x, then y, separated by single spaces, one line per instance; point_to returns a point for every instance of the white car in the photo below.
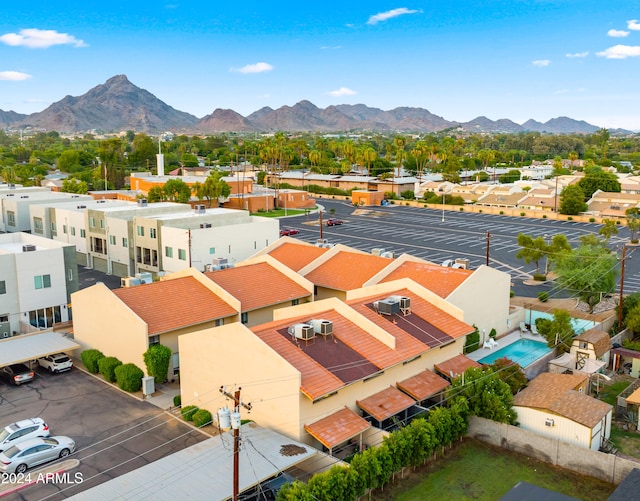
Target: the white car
pixel 20 457
pixel 21 431
pixel 56 363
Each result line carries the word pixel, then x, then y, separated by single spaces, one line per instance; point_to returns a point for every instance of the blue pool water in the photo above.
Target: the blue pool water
pixel 579 325
pixel 522 351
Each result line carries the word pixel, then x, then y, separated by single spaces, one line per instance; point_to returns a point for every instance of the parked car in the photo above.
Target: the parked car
pixel 24 455
pixel 334 221
pixel 59 362
pixel 21 431
pixel 16 374
pixel 286 232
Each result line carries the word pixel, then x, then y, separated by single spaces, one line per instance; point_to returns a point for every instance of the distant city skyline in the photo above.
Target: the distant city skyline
pixel 520 59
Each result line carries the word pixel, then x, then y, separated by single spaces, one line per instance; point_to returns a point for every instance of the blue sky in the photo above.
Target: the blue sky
pixel 515 59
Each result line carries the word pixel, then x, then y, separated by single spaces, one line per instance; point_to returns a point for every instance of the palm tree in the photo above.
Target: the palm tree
pixel 399 143
pixel 369 156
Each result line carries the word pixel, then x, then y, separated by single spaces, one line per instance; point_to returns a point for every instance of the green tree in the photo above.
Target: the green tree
pixel 69 161
pixel 510 177
pixel 633 222
pixel 157 359
pixel 632 319
pixel 176 190
pixel 559 331
pixel 556 249
pixel 213 188
pixel 572 200
pixel 511 373
pixel 608 229
pixel 596 179
pixel 532 249
pixel 74 186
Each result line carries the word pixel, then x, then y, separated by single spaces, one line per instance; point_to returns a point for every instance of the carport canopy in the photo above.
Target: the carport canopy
pixel 28 347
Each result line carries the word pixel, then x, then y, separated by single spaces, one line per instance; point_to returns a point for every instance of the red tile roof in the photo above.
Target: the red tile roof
pixel 258 285
pixel 296 256
pixel 337 428
pixel 174 304
pixel 386 403
pixel 438 279
pixel 423 385
pixel 347 270
pixel 456 366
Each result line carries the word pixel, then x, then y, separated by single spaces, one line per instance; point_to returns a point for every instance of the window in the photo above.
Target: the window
pixel 73 231
pixel 83 233
pixel 154 340
pixel 54 227
pixel 168 251
pixel 244 317
pixel 11 218
pixel 64 229
pixel 92 222
pixel 219 322
pixel 37 225
pixel 125 242
pixel 4 319
pixel 182 254
pixel 152 233
pixel 112 239
pixel 176 364
pixel 295 302
pixel 102 224
pixel 140 231
pixel 212 250
pixel 3 287
pixel 583 345
pixel 42 281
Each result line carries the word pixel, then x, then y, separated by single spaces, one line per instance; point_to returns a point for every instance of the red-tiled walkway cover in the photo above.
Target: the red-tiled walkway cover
pixel 386 403
pixel 455 366
pixel 423 385
pixel 337 428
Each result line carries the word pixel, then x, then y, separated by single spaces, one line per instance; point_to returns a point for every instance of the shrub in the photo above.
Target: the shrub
pixel 472 342
pixel 635 241
pixel 539 277
pixel 202 417
pixel 188 412
pixel 90 359
pixel 523 213
pixel 592 219
pixel 501 212
pixel 544 216
pixel 512 293
pixel 406 203
pixel 461 209
pixel 493 333
pixel 569 218
pixel 618 222
pixel 177 400
pixel 543 296
pixel 107 366
pixel 156 359
pixel 129 377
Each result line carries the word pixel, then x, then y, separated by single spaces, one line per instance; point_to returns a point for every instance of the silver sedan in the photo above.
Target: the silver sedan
pixel 24 455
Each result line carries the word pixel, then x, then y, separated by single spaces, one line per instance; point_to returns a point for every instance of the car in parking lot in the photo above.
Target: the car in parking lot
pixel 333 221
pixel 286 232
pixel 16 374
pixel 21 431
pixel 24 455
pixel 58 362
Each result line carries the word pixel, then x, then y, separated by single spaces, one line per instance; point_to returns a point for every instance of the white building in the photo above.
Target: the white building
pixel 37 277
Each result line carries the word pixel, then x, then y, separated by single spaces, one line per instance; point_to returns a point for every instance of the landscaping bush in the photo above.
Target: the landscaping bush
pixel 188 412
pixel 462 209
pixel 157 358
pixel 592 219
pixel 539 277
pixel 501 212
pixel 90 359
pixel 543 296
pixel 493 333
pixel 177 400
pixel 523 213
pixel 129 377
pixel 544 216
pixel 472 342
pixel 512 293
pixel 202 417
pixel 107 366
pixel 569 218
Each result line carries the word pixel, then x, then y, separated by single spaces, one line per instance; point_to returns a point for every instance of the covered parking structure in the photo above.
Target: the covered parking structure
pixel 28 347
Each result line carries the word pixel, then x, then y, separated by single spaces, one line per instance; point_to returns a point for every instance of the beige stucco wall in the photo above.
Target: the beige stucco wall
pixel 324 293
pixel 103 322
pixel 484 298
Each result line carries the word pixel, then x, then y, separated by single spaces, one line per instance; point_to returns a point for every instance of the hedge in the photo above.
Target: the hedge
pixel 107 366
pixel 129 377
pixel 188 412
pixel 543 296
pixel 177 400
pixel 157 359
pixel 90 359
pixel 202 417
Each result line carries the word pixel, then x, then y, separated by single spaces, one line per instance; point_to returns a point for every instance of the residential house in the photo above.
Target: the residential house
pixel 37 278
pixel 557 406
pixel 612 205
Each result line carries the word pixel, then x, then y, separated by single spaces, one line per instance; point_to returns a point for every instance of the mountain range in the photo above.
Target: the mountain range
pixel 119 105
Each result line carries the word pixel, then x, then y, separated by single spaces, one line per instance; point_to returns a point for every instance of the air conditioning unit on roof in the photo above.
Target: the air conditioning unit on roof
pixel 302 331
pixel 405 302
pixel 386 307
pixel 321 326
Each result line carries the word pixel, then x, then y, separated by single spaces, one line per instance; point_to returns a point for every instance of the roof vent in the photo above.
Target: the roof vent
pixel 549 422
pixel 388 254
pixel 143 202
pixel 82 207
pixel 28 248
pixel 321 326
pixel 205 225
pixel 200 209
pixel 24 196
pixel 377 251
pixel 302 331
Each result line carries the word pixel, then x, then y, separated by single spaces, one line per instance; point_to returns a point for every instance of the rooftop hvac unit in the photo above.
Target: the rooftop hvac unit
pixel 218 261
pixel 388 254
pixel 28 248
pixel 321 241
pixel 387 307
pixel 205 225
pixel 200 208
pixel 142 202
pixel 377 251
pixel 302 331
pixel 321 326
pixel 145 277
pixel 129 282
pixel 24 196
pixel 405 302
pixel 549 422
pixel 462 263
pixel 81 207
pixel 448 263
pixel 209 267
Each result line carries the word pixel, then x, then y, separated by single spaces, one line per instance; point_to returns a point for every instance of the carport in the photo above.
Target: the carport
pixel 27 347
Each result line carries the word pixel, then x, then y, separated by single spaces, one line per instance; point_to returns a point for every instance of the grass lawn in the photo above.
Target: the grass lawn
pixel 279 213
pixel 610 392
pixel 626 441
pixel 475 470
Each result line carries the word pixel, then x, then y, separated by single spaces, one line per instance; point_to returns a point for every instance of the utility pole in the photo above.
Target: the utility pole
pixel 624 255
pixel 235 424
pixel 488 244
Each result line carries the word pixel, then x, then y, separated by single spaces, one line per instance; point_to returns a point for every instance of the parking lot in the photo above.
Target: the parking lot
pixel 114 432
pixel 436 236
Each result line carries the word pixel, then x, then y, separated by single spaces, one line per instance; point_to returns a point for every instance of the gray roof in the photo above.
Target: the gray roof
pixel 205 470
pixel 32 346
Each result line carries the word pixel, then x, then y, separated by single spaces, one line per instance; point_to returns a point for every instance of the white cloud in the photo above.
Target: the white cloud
pixel 342 91
pixel 253 68
pixel 620 52
pixel 13 75
pixel 579 54
pixel 384 16
pixel 34 38
pixel 617 33
pixel 541 63
pixel 633 24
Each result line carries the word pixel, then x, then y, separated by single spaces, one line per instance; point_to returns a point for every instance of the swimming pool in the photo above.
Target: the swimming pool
pixel 521 351
pixel 579 325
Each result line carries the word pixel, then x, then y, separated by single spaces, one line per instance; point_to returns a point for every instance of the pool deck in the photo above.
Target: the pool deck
pixel 510 338
pixel 575 310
